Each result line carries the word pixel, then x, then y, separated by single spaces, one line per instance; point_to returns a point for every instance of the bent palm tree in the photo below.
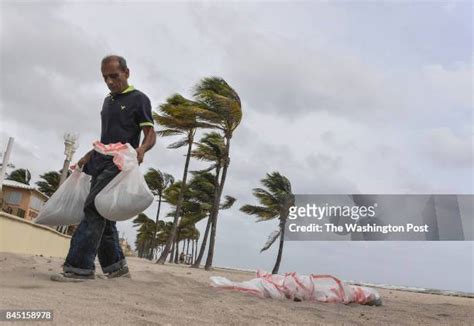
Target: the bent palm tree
pixel 210 149
pixel 20 175
pixel 220 108
pixel 158 182
pixel 178 117
pixel 202 190
pixel 50 182
pixel 275 202
pixel 164 231
pixel 145 235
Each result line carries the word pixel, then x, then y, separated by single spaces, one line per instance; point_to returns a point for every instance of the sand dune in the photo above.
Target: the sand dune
pixel 178 295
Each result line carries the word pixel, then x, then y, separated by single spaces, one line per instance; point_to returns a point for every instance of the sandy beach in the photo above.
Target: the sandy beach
pixel 178 295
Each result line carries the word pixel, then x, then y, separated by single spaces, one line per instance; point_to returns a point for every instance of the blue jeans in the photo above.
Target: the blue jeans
pixel 95 236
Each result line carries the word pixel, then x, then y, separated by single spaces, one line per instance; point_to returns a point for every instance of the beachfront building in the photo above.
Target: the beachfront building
pixel 25 201
pixel 21 199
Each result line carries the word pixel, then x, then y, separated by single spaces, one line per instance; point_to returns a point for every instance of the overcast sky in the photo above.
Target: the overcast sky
pixel 341 97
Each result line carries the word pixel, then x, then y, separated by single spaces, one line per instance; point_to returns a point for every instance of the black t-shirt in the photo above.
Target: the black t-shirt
pixel 123 116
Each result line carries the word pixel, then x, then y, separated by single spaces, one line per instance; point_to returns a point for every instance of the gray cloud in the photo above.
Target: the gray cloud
pixel 446 148
pixel 50 69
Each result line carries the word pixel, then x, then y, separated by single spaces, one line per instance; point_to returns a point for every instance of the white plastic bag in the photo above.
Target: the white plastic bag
pixel 66 205
pixel 127 194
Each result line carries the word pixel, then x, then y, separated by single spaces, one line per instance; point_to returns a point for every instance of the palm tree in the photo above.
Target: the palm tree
pixel 158 182
pixel 145 235
pixel 193 238
pixel 192 209
pixel 186 230
pixel 50 182
pixel 202 188
pixel 171 195
pixel 195 205
pixel 220 108
pixel 178 117
pixel 20 175
pixel 164 231
pixel 275 202
pixel 210 148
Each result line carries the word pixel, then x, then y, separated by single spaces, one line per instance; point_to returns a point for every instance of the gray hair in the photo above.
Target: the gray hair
pixel 121 60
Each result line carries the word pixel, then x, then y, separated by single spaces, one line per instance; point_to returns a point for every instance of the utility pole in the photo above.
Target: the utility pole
pixel 6 159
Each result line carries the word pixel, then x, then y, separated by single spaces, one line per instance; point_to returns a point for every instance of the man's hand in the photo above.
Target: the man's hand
pixel 140 154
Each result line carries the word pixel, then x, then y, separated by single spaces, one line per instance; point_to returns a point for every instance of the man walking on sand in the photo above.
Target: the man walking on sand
pixel 126 112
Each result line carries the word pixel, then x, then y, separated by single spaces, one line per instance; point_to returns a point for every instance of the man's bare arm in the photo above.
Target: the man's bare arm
pixel 147 144
pixel 85 158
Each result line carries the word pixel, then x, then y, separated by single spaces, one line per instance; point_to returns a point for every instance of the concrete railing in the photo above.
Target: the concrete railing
pixel 20 236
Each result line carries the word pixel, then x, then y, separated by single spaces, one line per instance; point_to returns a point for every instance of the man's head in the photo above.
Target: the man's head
pixel 115 72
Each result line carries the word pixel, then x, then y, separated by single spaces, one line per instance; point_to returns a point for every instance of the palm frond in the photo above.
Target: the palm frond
pixel 270 240
pixel 180 143
pixel 263 213
pixel 169 132
pixel 220 104
pixel 228 203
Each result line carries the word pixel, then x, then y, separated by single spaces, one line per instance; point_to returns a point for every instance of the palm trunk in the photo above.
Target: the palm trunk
pixel 217 200
pixel 198 260
pixel 176 257
pixel 156 224
pixel 176 250
pixel 187 247
pixel 184 246
pixel 170 240
pixel 280 248
pixel 195 250
pixel 199 257
pixel 176 254
pixel 161 249
pixel 148 249
pixel 171 253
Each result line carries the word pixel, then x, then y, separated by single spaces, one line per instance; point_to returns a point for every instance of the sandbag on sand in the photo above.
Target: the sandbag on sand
pixel 321 288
